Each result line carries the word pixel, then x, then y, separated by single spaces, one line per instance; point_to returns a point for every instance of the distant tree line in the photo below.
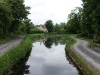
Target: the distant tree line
pixel 85 21
pixel 13 17
pixel 55 28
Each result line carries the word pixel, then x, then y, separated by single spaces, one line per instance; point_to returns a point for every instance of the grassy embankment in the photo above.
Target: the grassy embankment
pixel 81 63
pixel 15 54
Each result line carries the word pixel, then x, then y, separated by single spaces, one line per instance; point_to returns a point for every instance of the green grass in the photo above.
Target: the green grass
pixel 70 41
pixel 82 63
pixel 9 59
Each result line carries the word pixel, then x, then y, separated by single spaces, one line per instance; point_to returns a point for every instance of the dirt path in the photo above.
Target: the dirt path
pixel 90 56
pixel 10 44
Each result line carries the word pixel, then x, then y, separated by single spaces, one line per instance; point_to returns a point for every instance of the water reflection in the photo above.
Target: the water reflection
pixel 49 41
pixel 48 57
pixel 73 63
pixel 21 67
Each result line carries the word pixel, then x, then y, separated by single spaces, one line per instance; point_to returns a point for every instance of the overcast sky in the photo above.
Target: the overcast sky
pixel 55 10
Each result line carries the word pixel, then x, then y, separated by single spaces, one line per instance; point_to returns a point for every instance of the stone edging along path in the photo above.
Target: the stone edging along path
pixel 91 57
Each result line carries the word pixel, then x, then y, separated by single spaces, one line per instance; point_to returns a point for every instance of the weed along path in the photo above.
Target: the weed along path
pixel 92 58
pixel 10 44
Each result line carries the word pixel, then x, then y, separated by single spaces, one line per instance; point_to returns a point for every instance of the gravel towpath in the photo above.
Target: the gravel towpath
pixel 91 57
pixel 10 44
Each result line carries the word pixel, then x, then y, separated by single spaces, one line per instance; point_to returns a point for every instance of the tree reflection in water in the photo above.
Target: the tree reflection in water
pixel 48 43
pixel 54 40
pixel 21 67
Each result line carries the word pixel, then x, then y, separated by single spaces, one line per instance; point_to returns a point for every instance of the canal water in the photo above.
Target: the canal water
pixel 48 57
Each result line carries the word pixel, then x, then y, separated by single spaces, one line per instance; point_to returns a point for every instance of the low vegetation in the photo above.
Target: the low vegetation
pixel 14 55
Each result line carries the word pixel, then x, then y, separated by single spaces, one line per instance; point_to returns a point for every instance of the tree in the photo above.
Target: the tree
pixel 90 20
pixel 27 26
pixel 49 25
pixel 86 22
pixel 95 17
pixel 12 14
pixel 5 19
pixel 56 28
pixel 19 12
pixel 73 24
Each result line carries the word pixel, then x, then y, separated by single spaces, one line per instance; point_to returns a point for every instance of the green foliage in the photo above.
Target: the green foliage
pixel 85 21
pixel 19 12
pixel 91 19
pixel 73 24
pixel 60 28
pixel 36 31
pixel 26 26
pixel 5 19
pixel 12 13
pixel 9 59
pixel 56 28
pixel 49 25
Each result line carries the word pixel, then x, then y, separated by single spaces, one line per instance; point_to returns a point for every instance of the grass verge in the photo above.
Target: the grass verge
pixel 79 60
pixel 9 59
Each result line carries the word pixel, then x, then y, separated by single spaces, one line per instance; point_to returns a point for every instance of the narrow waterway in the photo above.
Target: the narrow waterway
pixel 48 57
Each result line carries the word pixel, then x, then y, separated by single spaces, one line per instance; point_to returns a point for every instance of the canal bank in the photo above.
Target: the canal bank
pixel 82 64
pixel 48 57
pixel 14 55
pixel 11 57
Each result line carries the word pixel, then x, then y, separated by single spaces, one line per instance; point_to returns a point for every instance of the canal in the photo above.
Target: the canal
pixel 48 57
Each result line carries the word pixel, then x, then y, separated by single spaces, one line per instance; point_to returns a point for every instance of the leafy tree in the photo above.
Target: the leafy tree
pixel 56 28
pixel 60 28
pixel 90 20
pixel 49 25
pixel 73 24
pixel 62 25
pixel 5 18
pixel 86 22
pixel 22 28
pixel 28 25
pixel 95 17
pixel 12 14
pixel 19 12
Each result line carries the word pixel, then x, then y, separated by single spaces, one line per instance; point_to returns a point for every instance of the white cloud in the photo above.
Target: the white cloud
pixel 56 10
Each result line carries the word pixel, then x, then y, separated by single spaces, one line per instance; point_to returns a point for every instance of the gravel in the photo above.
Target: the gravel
pixel 90 56
pixel 10 44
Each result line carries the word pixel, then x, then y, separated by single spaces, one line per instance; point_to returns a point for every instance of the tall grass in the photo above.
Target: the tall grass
pixel 15 54
pixel 79 60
